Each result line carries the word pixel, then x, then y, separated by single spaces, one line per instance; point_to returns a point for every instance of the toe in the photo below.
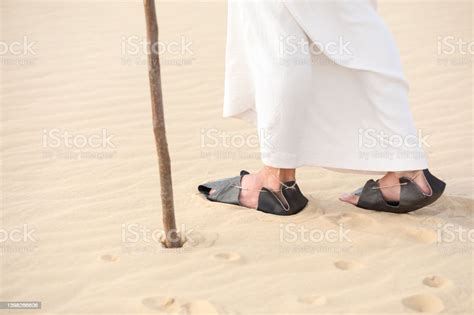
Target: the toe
pixel 349 198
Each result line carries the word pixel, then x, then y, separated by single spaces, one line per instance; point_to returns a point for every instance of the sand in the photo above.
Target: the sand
pixel 80 192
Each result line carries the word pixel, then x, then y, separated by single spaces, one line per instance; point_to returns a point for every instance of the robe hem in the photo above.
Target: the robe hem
pixel 360 166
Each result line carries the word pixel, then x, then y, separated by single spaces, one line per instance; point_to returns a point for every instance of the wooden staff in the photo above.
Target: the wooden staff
pixel 172 239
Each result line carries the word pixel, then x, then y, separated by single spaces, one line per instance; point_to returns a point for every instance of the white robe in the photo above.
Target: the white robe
pixel 321 105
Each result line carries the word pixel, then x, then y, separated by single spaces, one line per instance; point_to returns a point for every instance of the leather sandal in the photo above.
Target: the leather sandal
pixel 411 196
pixel 227 190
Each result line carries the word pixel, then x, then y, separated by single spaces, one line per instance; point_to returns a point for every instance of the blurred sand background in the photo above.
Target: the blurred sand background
pixel 91 208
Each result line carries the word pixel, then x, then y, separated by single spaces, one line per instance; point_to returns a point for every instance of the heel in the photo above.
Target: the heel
pixel 295 201
pixel 436 184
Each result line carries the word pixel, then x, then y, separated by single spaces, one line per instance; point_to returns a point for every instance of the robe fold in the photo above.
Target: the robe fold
pixel 323 83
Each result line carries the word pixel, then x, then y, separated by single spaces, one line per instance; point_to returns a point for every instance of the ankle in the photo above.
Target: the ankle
pixel 269 179
pixel 391 176
pixel 416 176
pixel 408 174
pixel 283 174
pixel 287 175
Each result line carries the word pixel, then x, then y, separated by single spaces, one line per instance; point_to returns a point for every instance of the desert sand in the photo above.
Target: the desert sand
pixel 80 190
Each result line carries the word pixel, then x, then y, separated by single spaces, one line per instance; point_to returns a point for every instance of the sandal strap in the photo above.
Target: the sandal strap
pixel 411 196
pixel 294 201
pixel 371 198
pixel 226 190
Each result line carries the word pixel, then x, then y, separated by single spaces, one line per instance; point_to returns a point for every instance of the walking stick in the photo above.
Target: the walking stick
pixel 172 239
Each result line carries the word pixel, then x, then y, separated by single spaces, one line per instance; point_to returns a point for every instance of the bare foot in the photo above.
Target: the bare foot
pixel 267 177
pixel 391 188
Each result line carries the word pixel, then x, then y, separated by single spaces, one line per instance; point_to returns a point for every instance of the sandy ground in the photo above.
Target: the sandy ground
pixel 80 191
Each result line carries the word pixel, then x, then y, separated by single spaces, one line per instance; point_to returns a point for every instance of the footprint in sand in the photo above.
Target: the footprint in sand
pixel 199 239
pixel 161 303
pixel 351 220
pixel 424 303
pixel 171 305
pixel 436 281
pixel 109 258
pixel 200 307
pixel 420 235
pixel 228 256
pixel 347 265
pixel 313 300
